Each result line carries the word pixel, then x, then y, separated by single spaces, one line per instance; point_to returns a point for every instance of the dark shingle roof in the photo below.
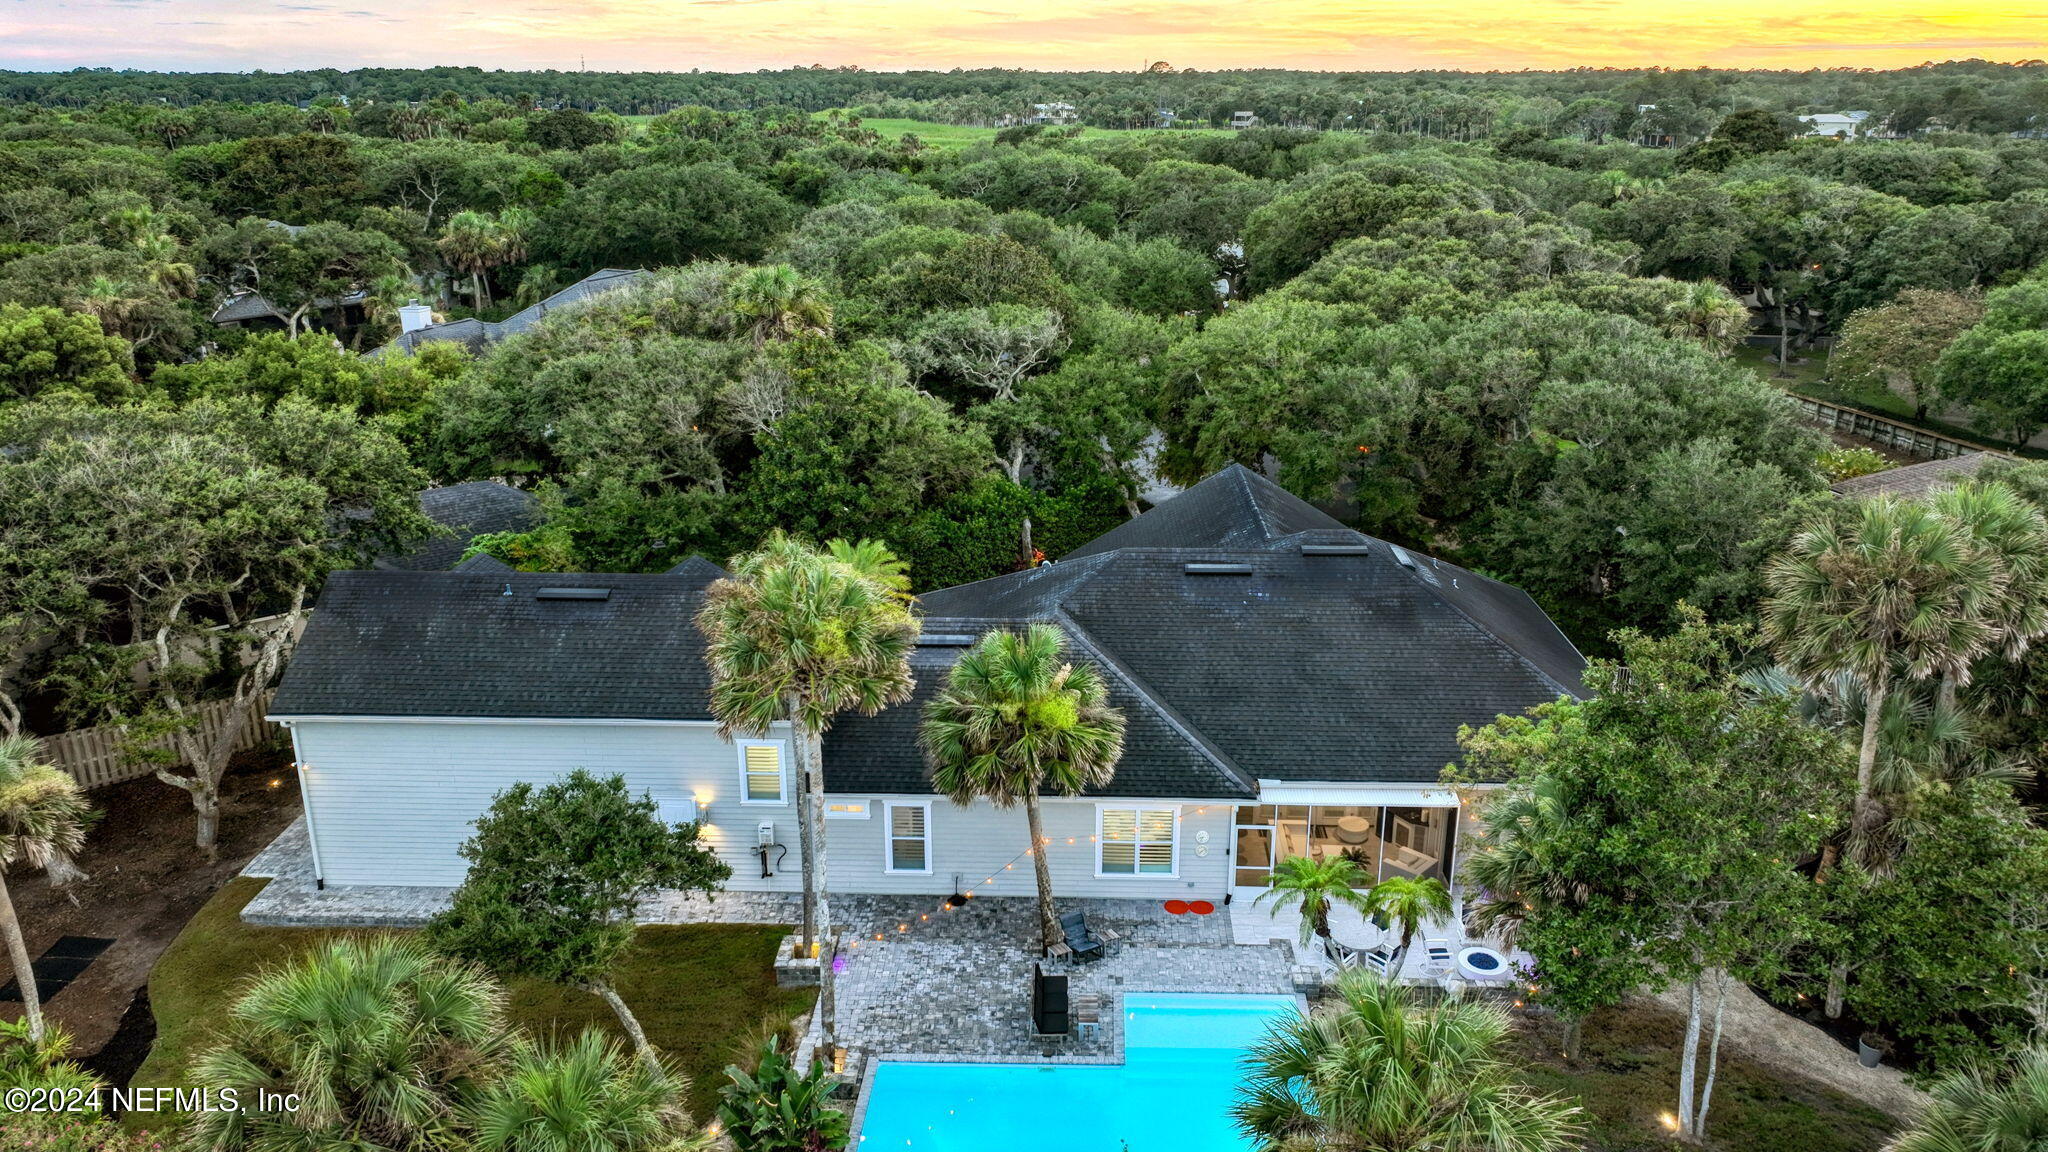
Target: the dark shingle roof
pixel 1350 661
pixel 880 753
pixel 467 510
pixel 1913 480
pixel 477 334
pixel 1235 508
pixel 482 643
pixel 1353 665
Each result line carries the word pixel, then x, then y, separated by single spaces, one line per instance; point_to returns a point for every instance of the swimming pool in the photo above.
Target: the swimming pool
pixel 1172 1093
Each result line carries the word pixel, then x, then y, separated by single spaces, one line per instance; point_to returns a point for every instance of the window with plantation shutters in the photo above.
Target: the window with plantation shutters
pixel 1136 841
pixel 761 776
pixel 908 828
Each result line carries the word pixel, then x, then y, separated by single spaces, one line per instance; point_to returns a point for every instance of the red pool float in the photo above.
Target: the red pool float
pixel 1177 907
pixel 1201 907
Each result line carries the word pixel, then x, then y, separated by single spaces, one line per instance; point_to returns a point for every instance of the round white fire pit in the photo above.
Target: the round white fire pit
pixel 1477 963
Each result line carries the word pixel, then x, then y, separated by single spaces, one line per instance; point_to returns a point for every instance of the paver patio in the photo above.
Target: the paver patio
pixel 938 982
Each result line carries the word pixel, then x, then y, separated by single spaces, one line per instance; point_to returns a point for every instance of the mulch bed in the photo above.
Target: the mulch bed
pixel 147 880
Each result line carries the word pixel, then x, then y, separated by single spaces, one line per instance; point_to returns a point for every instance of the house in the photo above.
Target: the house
pixel 416 321
pixel 1244 120
pixel 247 308
pixel 1056 113
pixel 1164 118
pixel 467 510
pixel 1847 125
pixel 1290 687
pixel 1913 481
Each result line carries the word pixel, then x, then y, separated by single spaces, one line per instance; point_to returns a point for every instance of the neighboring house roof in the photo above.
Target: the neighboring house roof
pixel 1913 480
pixel 1316 653
pixel 467 511
pixel 478 334
pixel 244 306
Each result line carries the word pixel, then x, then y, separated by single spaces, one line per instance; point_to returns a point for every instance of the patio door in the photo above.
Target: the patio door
pixel 1254 835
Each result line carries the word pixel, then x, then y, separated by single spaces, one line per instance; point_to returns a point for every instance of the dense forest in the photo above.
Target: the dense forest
pixel 1973 95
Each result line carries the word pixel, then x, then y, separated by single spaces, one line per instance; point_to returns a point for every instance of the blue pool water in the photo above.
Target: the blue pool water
pixel 1172 1093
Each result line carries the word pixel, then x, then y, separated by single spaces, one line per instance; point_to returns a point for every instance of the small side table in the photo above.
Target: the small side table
pixel 1059 954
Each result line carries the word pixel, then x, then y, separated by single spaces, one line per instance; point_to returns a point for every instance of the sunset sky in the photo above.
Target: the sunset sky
pixel 1117 35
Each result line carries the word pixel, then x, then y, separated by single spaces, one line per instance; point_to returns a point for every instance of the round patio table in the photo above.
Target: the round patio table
pixel 1350 928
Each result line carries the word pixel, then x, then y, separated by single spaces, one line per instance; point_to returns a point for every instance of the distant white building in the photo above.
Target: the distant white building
pixel 1244 120
pixel 1055 113
pixel 1848 125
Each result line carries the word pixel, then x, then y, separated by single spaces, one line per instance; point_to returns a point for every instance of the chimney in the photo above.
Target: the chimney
pixel 415 316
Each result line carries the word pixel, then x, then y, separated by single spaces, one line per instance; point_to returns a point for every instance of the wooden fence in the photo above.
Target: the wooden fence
pixel 97 757
pixel 1890 433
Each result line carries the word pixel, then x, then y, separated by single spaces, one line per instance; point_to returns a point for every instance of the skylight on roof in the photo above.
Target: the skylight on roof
pixel 572 594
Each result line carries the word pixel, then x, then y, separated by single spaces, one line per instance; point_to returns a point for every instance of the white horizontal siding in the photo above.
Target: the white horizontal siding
pixel 390 802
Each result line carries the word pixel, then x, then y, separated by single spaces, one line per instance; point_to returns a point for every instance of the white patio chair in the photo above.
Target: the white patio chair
pixel 1437 957
pixel 1385 961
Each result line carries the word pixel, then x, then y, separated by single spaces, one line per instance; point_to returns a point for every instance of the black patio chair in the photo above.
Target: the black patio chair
pixel 1050 1013
pixel 1085 944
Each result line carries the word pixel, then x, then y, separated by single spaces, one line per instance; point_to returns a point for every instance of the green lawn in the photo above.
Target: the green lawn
pixel 1626 1078
pixel 703 992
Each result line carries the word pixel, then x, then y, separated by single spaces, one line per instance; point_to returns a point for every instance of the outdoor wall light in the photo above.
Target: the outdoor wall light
pixel 702 803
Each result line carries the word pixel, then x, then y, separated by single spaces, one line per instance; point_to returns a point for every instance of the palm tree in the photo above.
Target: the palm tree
pixel 473 243
pixel 383 1041
pixel 1380 1071
pixel 43 818
pixel 2009 528
pixel 1014 720
pixel 1898 592
pixel 778 302
pixel 1509 870
pixel 799 636
pixel 1314 884
pixel 1984 1109
pixel 1410 901
pixel 586 1096
pixel 1707 314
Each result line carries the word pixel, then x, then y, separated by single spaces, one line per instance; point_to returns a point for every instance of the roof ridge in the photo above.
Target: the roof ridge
pixel 1244 487
pixel 1473 622
pixel 1180 724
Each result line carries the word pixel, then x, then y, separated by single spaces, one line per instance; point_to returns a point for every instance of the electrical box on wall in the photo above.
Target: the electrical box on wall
pixel 767 833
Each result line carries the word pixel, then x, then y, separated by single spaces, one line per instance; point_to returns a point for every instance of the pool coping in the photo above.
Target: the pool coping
pixel 1114 1057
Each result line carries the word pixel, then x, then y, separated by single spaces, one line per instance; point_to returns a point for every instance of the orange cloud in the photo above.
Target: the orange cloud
pixel 1117 35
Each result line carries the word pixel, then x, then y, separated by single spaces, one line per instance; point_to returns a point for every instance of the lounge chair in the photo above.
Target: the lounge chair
pixel 1050 1015
pixel 1438 959
pixel 1086 945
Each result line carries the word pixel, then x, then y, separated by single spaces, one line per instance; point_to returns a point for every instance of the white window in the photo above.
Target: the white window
pixel 1137 841
pixel 846 810
pixel 762 779
pixel 908 829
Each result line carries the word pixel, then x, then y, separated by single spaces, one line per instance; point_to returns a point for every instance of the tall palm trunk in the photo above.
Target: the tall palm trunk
pixel 1048 918
pixel 815 885
pixel 1863 817
pixel 24 973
